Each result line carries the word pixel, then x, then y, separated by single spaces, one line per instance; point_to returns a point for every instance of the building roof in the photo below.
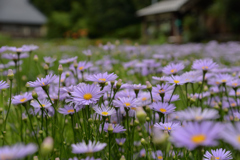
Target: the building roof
pixel 162 7
pixel 20 12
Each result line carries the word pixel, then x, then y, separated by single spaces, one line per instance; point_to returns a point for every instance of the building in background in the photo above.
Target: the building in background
pixel 19 18
pixel 182 20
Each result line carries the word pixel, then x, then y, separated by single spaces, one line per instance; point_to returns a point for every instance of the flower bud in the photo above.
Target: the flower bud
pixel 119 83
pixel 35 58
pixel 141 115
pixel 60 69
pixel 110 128
pixel 46 67
pixel 149 86
pixel 10 74
pixel 143 141
pixel 75 64
pixel 122 158
pixel 34 95
pixel 47 146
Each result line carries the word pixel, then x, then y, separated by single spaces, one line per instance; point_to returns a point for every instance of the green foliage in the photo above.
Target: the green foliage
pixel 132 32
pixel 58 24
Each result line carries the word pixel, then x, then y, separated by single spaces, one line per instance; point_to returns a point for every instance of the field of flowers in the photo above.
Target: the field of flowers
pixel 116 101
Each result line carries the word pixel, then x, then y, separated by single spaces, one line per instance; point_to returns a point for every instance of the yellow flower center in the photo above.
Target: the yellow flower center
pixel 23 100
pixel 43 83
pixel 199 138
pixel 87 96
pixel 204 67
pixel 238 138
pixel 144 99
pixel 198 118
pixel 217 82
pixel 133 108
pixel 102 79
pixel 105 113
pixel 217 157
pixel 127 104
pixel 173 70
pixel 160 157
pixel 235 84
pixel 176 81
pixel 238 93
pixel 71 111
pixel 80 68
pixel 168 128
pixel 224 80
pixel 233 104
pixel 163 110
pixel 43 105
pixel 162 90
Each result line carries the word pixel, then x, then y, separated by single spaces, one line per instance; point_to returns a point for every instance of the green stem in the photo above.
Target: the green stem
pixel 9 105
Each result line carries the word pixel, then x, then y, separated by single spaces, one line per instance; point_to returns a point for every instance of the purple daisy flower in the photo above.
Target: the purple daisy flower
pixel 104 111
pixel 198 114
pixel 68 60
pixel 191 77
pixel 160 79
pixel 177 80
pixel 163 88
pixel 87 52
pixel 130 103
pixel 117 128
pixel 3 85
pixel 20 99
pixel 173 68
pixel 204 64
pixel 220 154
pixel 83 65
pixel 164 108
pixel 167 126
pixel 120 141
pixel 18 151
pixel 223 78
pixel 14 56
pixel 45 104
pixel 91 147
pixel 134 86
pixel 68 110
pixel 88 158
pixel 43 81
pixel 195 134
pixel 49 60
pixel 231 134
pixel 86 94
pixel 20 49
pixel 102 77
pixel 159 155
pixel 30 47
pixel 234 83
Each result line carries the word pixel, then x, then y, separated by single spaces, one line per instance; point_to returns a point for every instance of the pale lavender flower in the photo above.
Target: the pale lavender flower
pixel 177 80
pixel 87 52
pixel 163 88
pixel 18 151
pixel 30 47
pixel 234 83
pixel 134 86
pixel 160 79
pixel 83 65
pixel 167 126
pixel 231 134
pixel 197 114
pixel 129 103
pixel 120 141
pixel 3 85
pixel 68 60
pixel 204 64
pixel 104 111
pixel 220 154
pixel 14 56
pixel 195 134
pixel 43 81
pixel 49 60
pixel 20 99
pixel 86 94
pixel 91 147
pixel 164 108
pixel 44 104
pixel 20 49
pixel 102 77
pixel 223 78
pixel 173 68
pixel 117 128
pixel 68 110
